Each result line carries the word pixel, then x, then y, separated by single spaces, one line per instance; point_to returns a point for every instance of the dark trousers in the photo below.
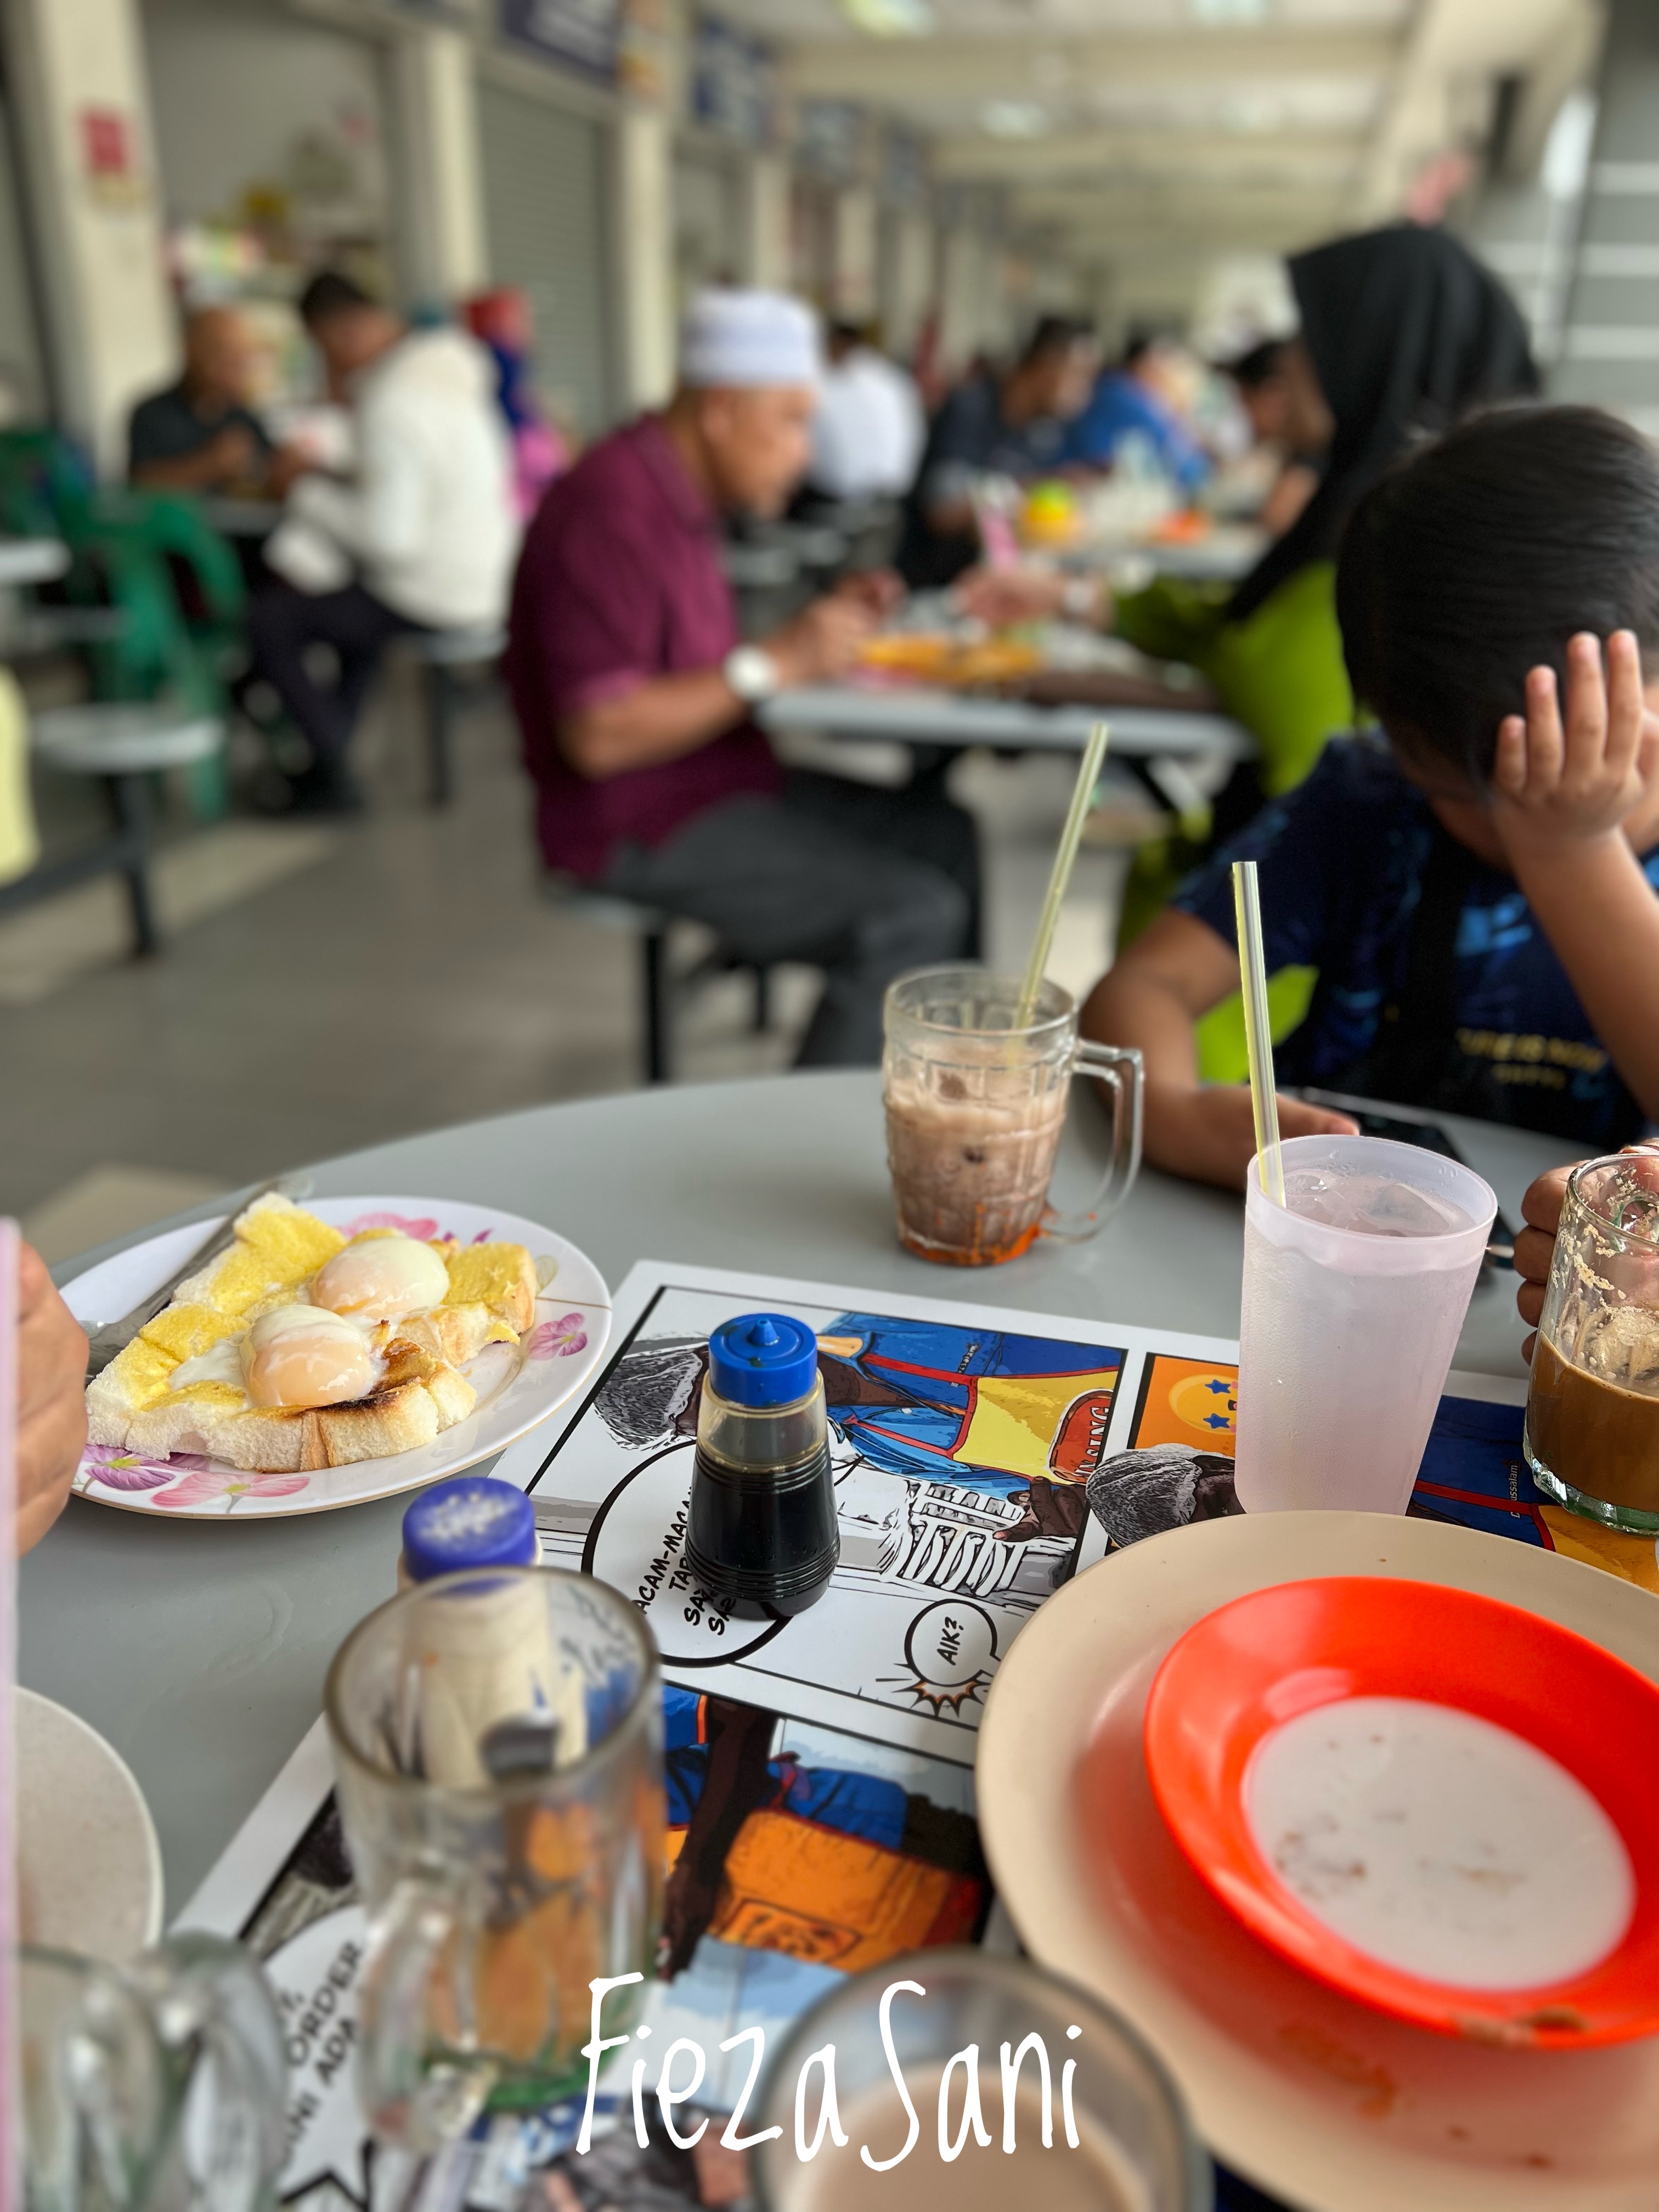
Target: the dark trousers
pixel 282 624
pixel 859 882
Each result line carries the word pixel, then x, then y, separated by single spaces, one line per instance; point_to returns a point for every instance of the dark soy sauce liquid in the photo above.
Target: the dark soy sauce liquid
pixel 763 1539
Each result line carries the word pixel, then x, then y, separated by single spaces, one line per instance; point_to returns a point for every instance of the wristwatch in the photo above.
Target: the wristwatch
pixel 752 673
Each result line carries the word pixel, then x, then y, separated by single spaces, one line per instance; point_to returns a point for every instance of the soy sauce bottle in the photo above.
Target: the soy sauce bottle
pixel 761 1533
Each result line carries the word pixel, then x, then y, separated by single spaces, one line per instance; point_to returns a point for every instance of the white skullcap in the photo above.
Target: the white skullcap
pixel 731 338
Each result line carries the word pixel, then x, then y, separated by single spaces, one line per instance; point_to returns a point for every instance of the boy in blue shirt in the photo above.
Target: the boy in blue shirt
pixel 1478 885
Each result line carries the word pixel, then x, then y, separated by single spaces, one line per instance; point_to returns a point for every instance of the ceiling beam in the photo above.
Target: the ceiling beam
pixel 1291 214
pixel 1456 49
pixel 1241 155
pixel 990 68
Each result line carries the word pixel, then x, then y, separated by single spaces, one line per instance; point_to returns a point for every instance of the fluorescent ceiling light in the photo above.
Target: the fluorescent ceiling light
pixel 1230 11
pixel 890 19
pixel 1014 119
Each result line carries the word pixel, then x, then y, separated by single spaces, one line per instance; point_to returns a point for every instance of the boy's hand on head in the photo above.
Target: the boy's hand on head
pixel 1208 1133
pixel 1558 781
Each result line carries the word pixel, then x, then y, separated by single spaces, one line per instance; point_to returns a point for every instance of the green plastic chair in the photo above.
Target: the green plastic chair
pixel 123 543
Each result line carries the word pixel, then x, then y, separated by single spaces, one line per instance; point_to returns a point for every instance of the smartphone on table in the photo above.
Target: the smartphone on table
pixel 1400 1125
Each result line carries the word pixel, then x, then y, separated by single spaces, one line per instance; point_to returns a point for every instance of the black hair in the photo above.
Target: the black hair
pixel 1056 334
pixel 330 294
pixel 1142 339
pixel 1258 367
pixel 1478 557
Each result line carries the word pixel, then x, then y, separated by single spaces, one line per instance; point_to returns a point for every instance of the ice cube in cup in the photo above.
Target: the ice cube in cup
pixel 1371 1204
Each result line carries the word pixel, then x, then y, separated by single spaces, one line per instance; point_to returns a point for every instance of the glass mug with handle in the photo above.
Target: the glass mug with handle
pixel 497 1739
pixel 976 1091
pixel 157 2086
pixel 1592 1428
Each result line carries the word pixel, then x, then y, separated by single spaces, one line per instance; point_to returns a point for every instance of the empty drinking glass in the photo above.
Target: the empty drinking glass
pixel 159 2086
pixel 497 1735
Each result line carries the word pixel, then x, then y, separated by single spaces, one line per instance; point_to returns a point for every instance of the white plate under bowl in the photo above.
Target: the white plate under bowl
pixel 88 1864
pixel 1314 2097
pixel 517 1388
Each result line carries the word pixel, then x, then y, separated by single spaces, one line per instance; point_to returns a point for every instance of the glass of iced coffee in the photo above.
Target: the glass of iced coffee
pixel 1592 1432
pixel 976 1090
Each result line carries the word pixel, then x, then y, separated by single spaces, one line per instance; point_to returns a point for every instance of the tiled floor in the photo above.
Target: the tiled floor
pixel 323 990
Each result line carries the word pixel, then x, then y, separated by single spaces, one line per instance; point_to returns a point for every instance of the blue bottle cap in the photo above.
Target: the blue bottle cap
pixel 763 1359
pixel 470 1520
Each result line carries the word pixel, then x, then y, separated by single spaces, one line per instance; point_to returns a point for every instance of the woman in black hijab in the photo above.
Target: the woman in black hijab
pixel 1403 331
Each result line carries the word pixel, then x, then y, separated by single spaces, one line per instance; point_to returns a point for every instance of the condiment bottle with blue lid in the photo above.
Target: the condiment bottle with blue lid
pixel 761 1533
pixel 495 1692
pixel 470 1521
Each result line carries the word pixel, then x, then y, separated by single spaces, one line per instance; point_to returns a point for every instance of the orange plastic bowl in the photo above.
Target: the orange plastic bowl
pixel 1247 1668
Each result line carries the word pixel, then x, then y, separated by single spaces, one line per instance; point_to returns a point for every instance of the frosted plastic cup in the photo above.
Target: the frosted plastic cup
pixel 1349 1322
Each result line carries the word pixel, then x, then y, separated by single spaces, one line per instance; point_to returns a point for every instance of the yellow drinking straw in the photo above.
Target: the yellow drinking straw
pixel 1071 838
pixel 1258 1033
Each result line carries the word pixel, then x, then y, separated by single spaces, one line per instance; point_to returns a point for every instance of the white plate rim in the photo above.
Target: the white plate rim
pixel 172 1245
pixel 1042 1708
pixel 65 1719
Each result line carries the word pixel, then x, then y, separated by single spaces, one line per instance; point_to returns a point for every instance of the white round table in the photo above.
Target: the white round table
pixel 199 1649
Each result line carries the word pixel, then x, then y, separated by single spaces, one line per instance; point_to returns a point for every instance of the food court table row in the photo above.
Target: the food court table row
pixel 921 715
pixel 199 1649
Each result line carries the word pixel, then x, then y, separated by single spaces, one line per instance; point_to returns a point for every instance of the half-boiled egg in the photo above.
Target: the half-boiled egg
pixel 381 1279
pixel 306 1356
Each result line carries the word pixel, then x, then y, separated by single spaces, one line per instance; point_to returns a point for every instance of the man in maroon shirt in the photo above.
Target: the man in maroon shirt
pixel 634 694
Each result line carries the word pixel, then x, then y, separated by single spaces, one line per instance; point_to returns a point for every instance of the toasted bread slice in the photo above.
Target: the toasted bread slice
pixel 278 1246
pixel 395 1418
pixel 499 1276
pixel 452 1334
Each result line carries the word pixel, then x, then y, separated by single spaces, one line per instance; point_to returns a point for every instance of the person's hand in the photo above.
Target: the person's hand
pixel 881 590
pixel 1534 1247
pixel 52 1405
pixel 234 453
pixel 1207 1133
pixel 824 640
pixel 1000 597
pixel 1555 784
pixel 285 466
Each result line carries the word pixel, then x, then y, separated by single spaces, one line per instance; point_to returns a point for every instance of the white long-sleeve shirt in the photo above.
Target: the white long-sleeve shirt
pixel 429 522
pixel 867 434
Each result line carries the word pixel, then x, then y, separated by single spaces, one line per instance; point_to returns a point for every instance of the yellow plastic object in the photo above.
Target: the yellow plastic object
pixel 1223 1056
pixel 1050 515
pixel 20 842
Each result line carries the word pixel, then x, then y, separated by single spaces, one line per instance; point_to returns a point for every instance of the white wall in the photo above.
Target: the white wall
pixel 113 334
pixel 852 280
pixel 763 194
pixel 908 280
pixel 443 249
pixel 643 245
pixel 243 98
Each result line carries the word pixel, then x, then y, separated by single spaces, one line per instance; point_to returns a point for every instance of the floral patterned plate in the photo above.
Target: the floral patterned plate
pixel 517 1386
